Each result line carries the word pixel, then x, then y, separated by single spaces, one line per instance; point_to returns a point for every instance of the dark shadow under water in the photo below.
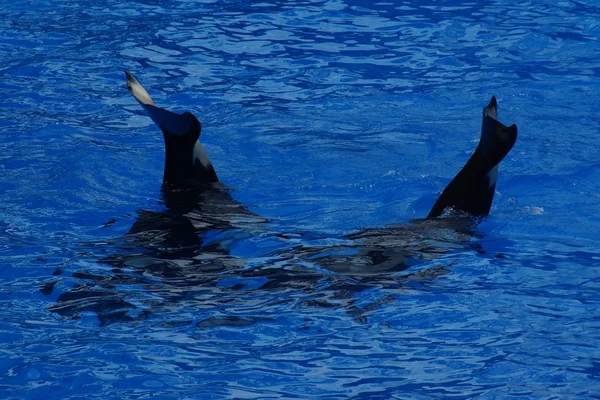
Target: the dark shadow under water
pixel 184 252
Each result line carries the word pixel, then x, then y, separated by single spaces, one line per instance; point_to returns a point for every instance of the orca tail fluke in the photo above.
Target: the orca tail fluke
pixel 186 161
pixel 137 90
pixel 169 122
pixel 472 189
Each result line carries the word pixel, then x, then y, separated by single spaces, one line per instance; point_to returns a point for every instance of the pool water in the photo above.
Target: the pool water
pixel 326 121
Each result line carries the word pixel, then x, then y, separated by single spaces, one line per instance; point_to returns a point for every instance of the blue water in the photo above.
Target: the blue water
pixel 324 118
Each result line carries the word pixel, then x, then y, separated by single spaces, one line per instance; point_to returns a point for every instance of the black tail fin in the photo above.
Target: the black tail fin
pixel 472 190
pixel 186 161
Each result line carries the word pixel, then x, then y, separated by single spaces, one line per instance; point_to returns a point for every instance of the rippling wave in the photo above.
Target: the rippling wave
pixel 334 125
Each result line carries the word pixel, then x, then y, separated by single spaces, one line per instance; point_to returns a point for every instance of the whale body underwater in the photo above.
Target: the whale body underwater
pixel 188 245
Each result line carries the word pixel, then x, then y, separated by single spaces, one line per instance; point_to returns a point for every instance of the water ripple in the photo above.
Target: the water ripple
pixel 328 117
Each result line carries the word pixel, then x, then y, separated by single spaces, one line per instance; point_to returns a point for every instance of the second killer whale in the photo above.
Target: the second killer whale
pixel 450 223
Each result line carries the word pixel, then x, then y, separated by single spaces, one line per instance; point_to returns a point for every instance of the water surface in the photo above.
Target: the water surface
pixel 325 118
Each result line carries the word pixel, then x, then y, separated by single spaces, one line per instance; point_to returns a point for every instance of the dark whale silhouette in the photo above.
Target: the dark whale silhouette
pixel 186 161
pixel 191 236
pixel 174 252
pixel 449 225
pixel 472 189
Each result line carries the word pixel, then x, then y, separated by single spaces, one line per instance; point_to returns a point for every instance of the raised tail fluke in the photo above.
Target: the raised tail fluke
pixel 169 122
pixel 472 189
pixel 186 161
pixel 137 90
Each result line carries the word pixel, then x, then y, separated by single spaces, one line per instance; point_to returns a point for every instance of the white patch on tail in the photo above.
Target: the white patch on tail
pixel 200 155
pixel 138 91
pixel 492 176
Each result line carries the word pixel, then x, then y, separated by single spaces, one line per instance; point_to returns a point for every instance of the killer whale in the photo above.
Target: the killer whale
pixel 186 161
pixel 191 237
pixel 472 189
pixel 190 182
pixel 450 223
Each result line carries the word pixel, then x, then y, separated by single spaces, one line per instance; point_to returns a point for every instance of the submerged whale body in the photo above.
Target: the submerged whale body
pixel 190 238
